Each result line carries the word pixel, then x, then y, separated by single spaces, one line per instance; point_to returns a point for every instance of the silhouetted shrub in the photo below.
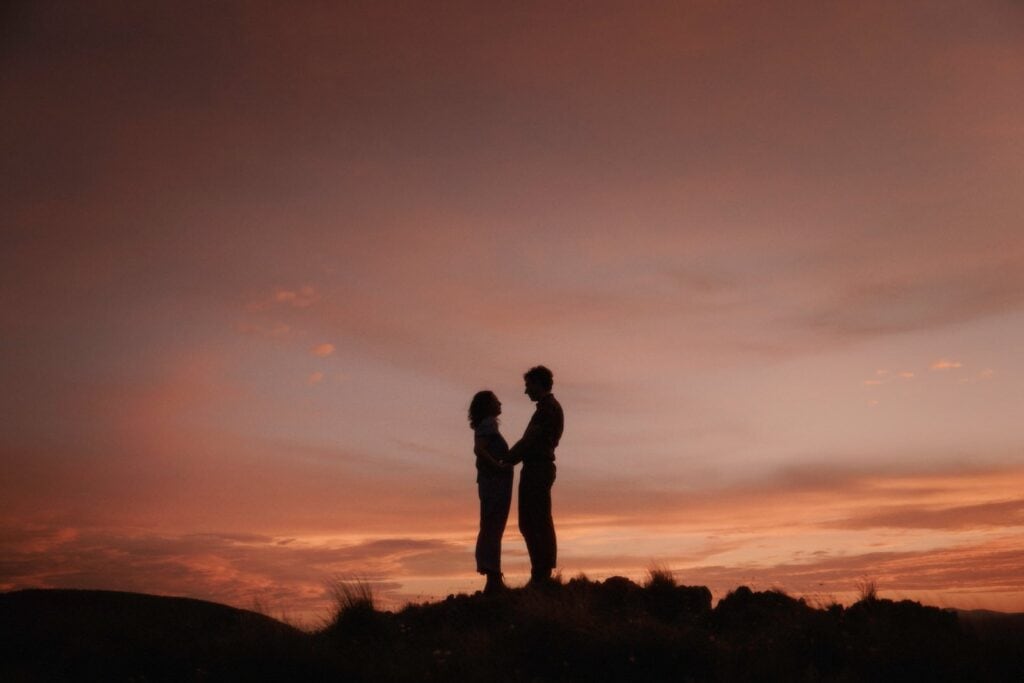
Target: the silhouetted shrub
pixel 354 613
pixel 904 641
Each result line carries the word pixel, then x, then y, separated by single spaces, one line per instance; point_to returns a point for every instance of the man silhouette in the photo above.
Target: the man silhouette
pixel 536 450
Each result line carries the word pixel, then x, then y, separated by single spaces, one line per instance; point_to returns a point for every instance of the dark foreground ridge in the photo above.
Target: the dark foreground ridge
pixel 579 631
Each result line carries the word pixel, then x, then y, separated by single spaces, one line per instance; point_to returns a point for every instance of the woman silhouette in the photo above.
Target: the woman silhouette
pixel 494 484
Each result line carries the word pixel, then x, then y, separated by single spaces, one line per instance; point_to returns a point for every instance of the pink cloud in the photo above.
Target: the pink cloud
pixel 276 330
pixel 301 297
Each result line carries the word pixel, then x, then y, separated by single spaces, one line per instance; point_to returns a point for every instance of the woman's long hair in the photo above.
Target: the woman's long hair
pixel 482 406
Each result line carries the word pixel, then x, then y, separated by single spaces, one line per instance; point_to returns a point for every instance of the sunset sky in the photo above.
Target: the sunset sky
pixel 257 257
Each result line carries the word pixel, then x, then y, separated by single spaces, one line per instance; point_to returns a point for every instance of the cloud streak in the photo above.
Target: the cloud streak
pixel 811 531
pixel 292 576
pixel 968 576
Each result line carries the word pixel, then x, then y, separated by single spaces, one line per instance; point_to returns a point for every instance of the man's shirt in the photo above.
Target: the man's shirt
pixel 542 434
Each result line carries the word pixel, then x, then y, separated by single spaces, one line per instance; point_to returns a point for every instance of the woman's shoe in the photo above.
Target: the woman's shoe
pixel 494 583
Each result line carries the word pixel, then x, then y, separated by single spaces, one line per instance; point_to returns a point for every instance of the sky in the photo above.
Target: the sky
pixel 257 257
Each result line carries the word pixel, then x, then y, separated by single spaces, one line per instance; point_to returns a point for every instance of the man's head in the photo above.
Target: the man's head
pixel 539 381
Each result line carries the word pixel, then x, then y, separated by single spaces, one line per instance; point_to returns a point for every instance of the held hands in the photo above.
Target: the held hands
pixel 495 463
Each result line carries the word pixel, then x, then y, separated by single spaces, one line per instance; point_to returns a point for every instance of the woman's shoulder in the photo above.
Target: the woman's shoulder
pixel 487 426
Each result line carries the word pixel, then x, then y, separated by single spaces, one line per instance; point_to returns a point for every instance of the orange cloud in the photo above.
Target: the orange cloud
pixel 290 575
pixel 805 500
pixel 980 515
pixel 410 529
pixel 946 364
pixel 322 350
pixel 968 576
pixel 315 378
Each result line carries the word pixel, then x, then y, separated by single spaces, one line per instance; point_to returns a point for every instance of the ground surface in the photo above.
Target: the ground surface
pixel 580 631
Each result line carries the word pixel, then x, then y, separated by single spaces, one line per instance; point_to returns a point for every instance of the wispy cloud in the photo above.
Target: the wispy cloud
pixel 888 376
pixel 904 297
pixel 290 575
pixel 970 575
pixel 322 350
pixel 784 531
pixel 271 330
pixel 1009 513
pixel 300 297
pixel 945 364
pixel 809 498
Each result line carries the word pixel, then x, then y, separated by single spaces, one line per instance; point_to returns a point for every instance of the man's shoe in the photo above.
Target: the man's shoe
pixel 540 579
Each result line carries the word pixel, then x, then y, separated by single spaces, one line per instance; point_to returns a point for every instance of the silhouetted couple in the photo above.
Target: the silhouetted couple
pixel 494 464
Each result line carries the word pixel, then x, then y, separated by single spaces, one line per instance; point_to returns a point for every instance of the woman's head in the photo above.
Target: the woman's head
pixel 484 404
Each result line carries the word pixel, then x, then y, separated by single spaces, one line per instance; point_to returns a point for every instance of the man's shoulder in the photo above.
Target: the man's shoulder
pixel 550 404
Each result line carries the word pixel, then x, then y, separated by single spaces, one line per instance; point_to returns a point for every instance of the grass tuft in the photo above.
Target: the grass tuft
pixel 353 601
pixel 867 589
pixel 660 577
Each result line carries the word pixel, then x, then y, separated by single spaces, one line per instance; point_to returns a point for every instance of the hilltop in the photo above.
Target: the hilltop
pixel 48 635
pixel 581 630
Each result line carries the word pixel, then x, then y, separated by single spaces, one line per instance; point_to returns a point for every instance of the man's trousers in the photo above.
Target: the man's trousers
pixel 535 521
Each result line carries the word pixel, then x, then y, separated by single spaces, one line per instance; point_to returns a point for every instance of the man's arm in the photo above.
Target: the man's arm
pixel 539 437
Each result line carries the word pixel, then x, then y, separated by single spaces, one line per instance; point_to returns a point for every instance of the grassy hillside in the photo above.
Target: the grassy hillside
pixel 578 631
pixel 104 635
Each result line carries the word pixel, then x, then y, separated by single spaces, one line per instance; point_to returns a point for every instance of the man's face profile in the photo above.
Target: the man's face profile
pixel 534 390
